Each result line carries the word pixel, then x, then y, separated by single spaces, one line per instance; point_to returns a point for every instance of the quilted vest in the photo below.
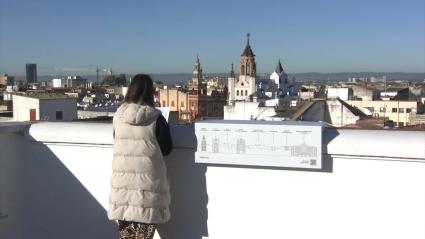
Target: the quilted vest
pixel 139 185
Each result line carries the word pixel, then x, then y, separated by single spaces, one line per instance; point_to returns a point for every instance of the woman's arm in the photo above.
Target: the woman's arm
pixel 162 132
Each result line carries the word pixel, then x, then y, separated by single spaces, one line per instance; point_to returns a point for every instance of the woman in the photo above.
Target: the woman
pixel 140 195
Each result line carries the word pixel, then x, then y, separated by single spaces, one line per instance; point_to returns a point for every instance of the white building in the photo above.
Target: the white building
pixel 242 110
pixel 70 81
pixel 342 114
pixel 48 107
pixel 397 111
pixel 240 89
pixel 6 80
pixel 306 95
pixel 342 93
pixel 364 91
pixel 279 77
pixel 366 79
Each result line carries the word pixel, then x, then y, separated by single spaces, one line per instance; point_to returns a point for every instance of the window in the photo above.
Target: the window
pixel 381 109
pixel 172 103
pixel 237 93
pixel 246 93
pixel 408 110
pixel 401 110
pixel 394 110
pixel 400 124
pixel 163 103
pixel 59 115
pixel 182 104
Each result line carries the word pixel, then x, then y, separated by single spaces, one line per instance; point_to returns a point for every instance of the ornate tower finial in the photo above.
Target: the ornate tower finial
pixel 232 72
pixel 248 66
pixel 279 69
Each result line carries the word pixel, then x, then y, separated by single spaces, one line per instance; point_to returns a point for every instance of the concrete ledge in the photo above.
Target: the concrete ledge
pixel 345 143
pixel 72 133
pixel 391 144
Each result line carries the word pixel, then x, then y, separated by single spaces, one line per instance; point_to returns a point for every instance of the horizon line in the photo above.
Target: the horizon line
pixel 206 73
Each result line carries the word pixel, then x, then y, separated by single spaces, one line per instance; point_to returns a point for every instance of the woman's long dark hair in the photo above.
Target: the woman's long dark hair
pixel 140 90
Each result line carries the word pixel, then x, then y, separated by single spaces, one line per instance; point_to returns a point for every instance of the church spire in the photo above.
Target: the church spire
pixel 248 51
pixel 279 68
pixel 232 73
pixel 248 65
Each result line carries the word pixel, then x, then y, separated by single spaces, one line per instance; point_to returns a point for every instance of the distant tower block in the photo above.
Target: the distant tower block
pixel 31 73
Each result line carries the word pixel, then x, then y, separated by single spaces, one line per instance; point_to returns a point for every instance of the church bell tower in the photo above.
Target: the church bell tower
pixel 248 65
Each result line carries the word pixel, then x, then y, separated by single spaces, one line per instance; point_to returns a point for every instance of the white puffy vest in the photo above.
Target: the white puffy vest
pixel 139 186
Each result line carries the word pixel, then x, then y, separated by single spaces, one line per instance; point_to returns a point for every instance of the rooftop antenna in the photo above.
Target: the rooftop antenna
pixel 97 74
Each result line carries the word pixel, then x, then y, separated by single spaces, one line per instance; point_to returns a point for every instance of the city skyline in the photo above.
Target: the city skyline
pixel 165 37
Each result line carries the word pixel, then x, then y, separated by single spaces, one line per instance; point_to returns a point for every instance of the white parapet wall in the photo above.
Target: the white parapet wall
pixel 372 185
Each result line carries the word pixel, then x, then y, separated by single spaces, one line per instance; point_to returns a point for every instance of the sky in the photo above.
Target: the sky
pixel 327 36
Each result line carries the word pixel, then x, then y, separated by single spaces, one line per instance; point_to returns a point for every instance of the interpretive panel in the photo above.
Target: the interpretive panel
pixel 261 143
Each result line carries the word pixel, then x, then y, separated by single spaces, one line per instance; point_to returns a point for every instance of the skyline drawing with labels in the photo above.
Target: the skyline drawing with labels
pixel 260 143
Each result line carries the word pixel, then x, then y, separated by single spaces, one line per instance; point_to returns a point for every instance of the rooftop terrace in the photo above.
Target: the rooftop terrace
pixel 54 183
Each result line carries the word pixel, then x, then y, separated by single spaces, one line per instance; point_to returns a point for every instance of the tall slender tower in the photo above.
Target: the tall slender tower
pixel 197 92
pixel 196 83
pixel 231 86
pixel 245 85
pixel 197 72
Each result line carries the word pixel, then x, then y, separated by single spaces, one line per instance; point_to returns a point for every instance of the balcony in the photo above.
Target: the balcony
pixel 54 183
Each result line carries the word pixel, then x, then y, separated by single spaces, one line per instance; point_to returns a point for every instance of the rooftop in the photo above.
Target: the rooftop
pixel 45 96
pixel 58 175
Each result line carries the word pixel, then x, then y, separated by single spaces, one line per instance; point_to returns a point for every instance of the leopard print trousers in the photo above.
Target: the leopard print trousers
pixel 136 230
